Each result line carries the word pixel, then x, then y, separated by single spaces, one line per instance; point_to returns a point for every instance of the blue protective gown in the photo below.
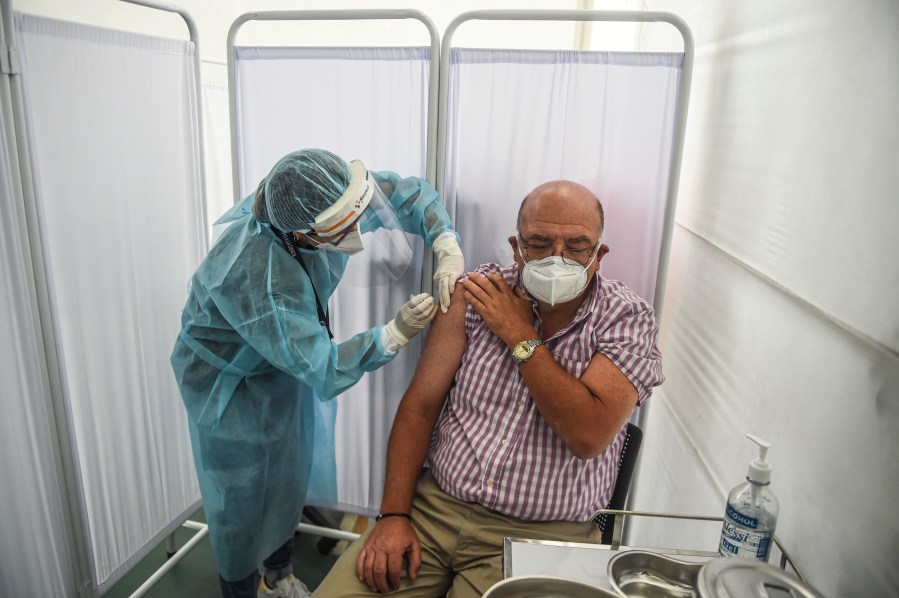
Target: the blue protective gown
pixel 253 364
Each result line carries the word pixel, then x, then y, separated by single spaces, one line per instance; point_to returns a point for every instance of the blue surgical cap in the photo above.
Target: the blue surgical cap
pixel 301 186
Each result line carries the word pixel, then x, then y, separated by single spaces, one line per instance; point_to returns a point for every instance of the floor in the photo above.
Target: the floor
pixel 196 576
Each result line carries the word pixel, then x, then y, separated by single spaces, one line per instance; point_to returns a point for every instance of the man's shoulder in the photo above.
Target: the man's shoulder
pixel 509 272
pixel 614 292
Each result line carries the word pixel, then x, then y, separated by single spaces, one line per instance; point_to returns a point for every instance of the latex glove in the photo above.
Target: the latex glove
pixel 412 319
pixel 450 266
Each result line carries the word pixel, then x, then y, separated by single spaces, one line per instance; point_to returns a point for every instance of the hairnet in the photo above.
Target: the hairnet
pixel 301 186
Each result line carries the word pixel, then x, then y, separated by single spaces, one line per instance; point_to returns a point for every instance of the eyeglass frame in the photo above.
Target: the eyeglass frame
pixel 338 238
pixel 570 261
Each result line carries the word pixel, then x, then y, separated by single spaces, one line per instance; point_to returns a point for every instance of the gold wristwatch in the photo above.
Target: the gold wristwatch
pixel 523 350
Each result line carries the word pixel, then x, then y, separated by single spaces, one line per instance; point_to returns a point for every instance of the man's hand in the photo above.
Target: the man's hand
pixel 380 562
pixel 505 310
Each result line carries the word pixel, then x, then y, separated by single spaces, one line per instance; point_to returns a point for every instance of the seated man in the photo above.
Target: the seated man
pixel 540 370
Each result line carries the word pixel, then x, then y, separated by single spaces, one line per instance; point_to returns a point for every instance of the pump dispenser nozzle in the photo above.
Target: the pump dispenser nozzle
pixel 759 468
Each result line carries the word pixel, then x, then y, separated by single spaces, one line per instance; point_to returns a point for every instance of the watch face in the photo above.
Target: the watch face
pixel 521 350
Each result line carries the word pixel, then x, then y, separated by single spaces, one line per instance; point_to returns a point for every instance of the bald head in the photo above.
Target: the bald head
pixel 564 202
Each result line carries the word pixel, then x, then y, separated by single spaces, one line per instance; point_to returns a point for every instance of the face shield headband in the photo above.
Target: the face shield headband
pixel 349 206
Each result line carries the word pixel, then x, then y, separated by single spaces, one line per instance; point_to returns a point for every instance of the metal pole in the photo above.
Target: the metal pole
pixel 326 532
pixel 328 15
pixel 203 531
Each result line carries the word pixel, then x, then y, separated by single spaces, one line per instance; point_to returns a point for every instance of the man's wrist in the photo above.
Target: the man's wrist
pixel 524 350
pixel 513 339
pixel 393 514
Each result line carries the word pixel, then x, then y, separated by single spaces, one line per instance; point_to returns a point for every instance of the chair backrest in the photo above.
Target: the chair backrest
pixel 626 463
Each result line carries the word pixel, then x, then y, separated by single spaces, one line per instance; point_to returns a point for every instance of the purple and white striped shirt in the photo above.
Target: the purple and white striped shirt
pixel 492 446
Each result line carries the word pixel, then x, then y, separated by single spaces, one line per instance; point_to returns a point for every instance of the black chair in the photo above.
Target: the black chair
pixel 626 463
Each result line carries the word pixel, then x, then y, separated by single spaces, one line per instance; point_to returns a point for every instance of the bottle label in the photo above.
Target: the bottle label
pixel 741 519
pixel 741 537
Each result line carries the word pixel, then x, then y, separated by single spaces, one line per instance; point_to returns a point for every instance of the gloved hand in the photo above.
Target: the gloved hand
pixel 450 266
pixel 412 319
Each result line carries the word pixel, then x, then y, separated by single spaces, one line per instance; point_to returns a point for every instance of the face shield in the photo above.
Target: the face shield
pixel 362 216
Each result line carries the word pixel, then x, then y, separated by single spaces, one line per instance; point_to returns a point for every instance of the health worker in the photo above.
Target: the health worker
pixel 256 361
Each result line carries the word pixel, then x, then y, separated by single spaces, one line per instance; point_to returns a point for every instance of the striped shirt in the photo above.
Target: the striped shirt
pixel 492 446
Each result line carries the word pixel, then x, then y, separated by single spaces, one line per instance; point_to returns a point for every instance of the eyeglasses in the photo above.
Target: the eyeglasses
pixel 335 241
pixel 539 251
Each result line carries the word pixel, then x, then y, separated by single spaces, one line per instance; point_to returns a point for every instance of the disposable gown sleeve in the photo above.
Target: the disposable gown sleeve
pixel 418 205
pixel 280 322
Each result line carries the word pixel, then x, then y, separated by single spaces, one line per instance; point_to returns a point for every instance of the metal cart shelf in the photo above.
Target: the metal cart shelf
pixel 588 562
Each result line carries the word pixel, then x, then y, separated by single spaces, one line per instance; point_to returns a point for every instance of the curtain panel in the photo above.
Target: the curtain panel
pixel 112 128
pixel 360 103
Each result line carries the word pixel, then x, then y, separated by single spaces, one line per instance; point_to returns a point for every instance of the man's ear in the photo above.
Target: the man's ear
pixel 516 256
pixel 603 249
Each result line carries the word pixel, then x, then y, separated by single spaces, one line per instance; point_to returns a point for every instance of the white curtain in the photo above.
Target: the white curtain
pixel 112 128
pixel 34 556
pixel 518 118
pixel 216 152
pixel 781 305
pixel 365 103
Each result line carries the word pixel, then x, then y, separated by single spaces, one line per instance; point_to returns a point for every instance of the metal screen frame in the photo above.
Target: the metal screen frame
pixel 13 105
pixel 680 116
pixel 333 15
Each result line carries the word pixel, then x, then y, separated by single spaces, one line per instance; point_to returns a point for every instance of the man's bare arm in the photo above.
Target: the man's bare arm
pixel 381 559
pixel 420 406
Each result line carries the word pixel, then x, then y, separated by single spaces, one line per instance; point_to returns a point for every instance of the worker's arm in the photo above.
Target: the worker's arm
pixel 381 559
pixel 587 412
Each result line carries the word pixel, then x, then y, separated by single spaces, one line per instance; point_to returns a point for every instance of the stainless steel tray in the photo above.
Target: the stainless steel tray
pixel 643 574
pixel 545 586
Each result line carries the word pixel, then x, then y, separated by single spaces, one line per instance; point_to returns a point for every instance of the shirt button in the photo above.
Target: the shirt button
pixel 505 442
pixel 489 483
pixel 521 402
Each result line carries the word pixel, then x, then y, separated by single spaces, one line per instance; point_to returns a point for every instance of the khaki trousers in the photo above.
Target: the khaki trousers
pixel 461 547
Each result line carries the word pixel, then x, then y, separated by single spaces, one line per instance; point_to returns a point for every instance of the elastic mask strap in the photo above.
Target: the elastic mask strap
pixel 590 263
pixel 288 245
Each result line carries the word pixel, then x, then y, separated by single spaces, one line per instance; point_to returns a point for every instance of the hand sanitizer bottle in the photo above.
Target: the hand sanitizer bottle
pixel 752 509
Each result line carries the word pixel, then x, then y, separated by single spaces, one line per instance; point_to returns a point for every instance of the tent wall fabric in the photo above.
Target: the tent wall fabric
pixel 118 197
pixel 780 309
pixel 290 98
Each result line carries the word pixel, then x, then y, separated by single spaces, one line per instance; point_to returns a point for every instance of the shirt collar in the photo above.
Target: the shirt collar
pixel 592 303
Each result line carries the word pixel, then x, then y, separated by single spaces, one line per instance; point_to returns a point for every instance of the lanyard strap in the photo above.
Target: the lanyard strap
pixel 289 246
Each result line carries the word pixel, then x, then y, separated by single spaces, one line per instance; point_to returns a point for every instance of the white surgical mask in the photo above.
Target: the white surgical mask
pixel 351 244
pixel 552 280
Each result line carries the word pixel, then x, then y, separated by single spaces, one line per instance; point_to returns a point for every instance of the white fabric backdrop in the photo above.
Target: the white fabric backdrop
pixel 117 186
pixel 216 152
pixel 780 308
pixel 34 556
pixel 518 118
pixel 365 103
